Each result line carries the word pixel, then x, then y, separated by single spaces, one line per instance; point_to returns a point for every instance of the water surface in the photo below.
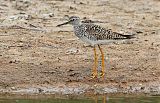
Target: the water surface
pixel 94 99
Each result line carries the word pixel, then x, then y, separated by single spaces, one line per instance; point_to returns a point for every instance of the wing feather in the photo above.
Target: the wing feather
pixel 101 33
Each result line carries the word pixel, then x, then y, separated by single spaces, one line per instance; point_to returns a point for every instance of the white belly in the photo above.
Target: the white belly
pixel 96 42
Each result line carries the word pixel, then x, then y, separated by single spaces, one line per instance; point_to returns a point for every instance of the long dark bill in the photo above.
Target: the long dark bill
pixel 63 24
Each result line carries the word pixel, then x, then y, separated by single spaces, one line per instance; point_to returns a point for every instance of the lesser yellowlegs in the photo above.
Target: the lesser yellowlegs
pixel 95 35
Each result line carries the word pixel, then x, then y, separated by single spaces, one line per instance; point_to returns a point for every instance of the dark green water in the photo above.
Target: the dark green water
pixel 100 99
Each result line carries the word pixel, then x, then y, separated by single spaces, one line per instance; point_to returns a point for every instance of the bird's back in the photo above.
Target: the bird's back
pixel 96 34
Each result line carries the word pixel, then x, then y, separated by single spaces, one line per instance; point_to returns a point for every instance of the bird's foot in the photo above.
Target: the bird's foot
pixel 94 74
pixel 102 75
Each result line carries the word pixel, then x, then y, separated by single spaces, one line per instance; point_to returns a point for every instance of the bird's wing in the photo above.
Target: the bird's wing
pixel 101 33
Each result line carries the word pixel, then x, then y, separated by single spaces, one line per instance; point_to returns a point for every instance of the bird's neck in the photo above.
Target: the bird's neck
pixel 76 24
pixel 76 29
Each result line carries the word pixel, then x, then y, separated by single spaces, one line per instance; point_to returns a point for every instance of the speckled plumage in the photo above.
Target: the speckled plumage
pixel 94 34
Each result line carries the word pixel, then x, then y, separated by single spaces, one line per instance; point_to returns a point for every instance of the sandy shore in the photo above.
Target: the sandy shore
pixel 38 57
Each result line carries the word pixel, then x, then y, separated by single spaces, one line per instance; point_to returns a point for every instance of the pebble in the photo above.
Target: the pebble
pixel 138 31
pixel 72 51
pixel 48 15
pixel 13 88
pixel 20 17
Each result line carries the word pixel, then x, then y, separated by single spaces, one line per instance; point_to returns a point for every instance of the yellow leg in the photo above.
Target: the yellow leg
pixel 96 99
pixel 103 66
pixel 94 72
pixel 104 99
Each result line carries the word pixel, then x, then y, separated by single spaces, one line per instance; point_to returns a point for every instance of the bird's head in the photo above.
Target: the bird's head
pixel 73 20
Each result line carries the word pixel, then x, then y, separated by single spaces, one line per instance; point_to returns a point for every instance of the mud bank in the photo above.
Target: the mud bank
pixel 79 88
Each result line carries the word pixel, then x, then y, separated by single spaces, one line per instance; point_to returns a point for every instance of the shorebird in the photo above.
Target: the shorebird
pixel 95 35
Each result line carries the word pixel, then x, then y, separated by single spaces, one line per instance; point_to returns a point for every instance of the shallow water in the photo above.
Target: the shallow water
pixel 94 99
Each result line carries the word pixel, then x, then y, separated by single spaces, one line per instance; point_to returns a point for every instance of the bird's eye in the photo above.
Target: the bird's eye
pixel 72 19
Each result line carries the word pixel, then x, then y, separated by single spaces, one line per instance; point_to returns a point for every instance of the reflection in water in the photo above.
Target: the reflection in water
pixel 93 99
pixel 103 99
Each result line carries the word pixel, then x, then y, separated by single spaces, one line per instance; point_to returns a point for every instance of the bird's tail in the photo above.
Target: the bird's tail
pixel 122 36
pixel 129 36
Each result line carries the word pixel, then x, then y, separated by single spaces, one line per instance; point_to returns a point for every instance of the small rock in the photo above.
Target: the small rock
pixel 128 42
pixel 49 15
pixel 40 90
pixel 13 18
pixel 81 3
pixel 72 51
pixel 153 32
pixel 110 90
pixel 70 70
pixel 72 8
pixel 154 74
pixel 139 31
pixel 156 44
pixel 20 17
pixel 95 85
pixel 13 88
